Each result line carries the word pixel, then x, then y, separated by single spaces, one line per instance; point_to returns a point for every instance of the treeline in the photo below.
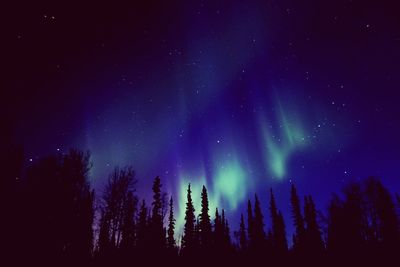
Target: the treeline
pixel 53 217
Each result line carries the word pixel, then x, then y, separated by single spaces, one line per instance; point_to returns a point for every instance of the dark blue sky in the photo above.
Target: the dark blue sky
pixel 237 96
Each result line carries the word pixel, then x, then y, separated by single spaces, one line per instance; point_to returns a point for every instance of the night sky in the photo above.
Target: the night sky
pixel 239 96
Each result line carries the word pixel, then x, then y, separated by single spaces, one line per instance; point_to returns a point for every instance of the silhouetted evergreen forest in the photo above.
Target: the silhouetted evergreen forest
pixel 52 216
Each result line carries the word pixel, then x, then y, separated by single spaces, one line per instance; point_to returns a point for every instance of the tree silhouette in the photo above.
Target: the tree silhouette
pixel 188 240
pixel 313 237
pixel 242 234
pixel 128 239
pixel 54 225
pixel 346 230
pixel 278 227
pixel 250 226
pixel 142 228
pixel 382 216
pixel 258 225
pixel 225 231
pixel 218 230
pixel 298 220
pixel 171 226
pixel 156 231
pixel 118 195
pixel 104 243
pixel 60 209
pixel 204 222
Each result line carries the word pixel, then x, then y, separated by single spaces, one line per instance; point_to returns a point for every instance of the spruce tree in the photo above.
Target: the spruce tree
pixel 312 233
pixel 250 225
pixel 383 212
pixel 258 224
pixel 226 231
pixel 242 234
pixel 218 230
pixel 188 241
pixel 171 226
pixel 204 223
pixel 278 227
pixel 298 220
pixel 156 223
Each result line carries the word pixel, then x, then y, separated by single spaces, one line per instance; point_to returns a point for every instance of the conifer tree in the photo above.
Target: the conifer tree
pixel 156 223
pixel 171 226
pixel 278 227
pixel 258 224
pixel 226 230
pixel 242 234
pixel 218 229
pixel 382 212
pixel 250 225
pixel 188 240
pixel 204 222
pixel 298 220
pixel 313 232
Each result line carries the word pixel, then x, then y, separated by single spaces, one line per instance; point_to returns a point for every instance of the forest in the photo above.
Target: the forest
pixel 52 216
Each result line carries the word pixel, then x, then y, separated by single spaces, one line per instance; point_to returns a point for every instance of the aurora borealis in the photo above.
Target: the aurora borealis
pixel 236 96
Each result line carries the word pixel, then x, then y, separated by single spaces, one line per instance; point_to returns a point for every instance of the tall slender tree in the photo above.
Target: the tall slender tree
pixel 157 234
pixel 188 240
pixel 250 225
pixel 205 223
pixel 171 226
pixel 218 230
pixel 226 230
pixel 242 234
pixel 278 227
pixel 298 220
pixel 118 192
pixel 258 225
pixel 313 232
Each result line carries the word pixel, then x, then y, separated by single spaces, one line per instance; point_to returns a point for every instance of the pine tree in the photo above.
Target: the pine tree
pixel 278 227
pixel 242 234
pixel 171 226
pixel 157 230
pixel 298 220
pixel 226 231
pixel 188 240
pixel 313 233
pixel 196 239
pixel 383 212
pixel 204 223
pixel 156 211
pixel 250 225
pixel 282 232
pixel 258 224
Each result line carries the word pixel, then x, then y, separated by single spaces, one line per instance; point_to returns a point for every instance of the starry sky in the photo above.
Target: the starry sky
pixel 239 96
